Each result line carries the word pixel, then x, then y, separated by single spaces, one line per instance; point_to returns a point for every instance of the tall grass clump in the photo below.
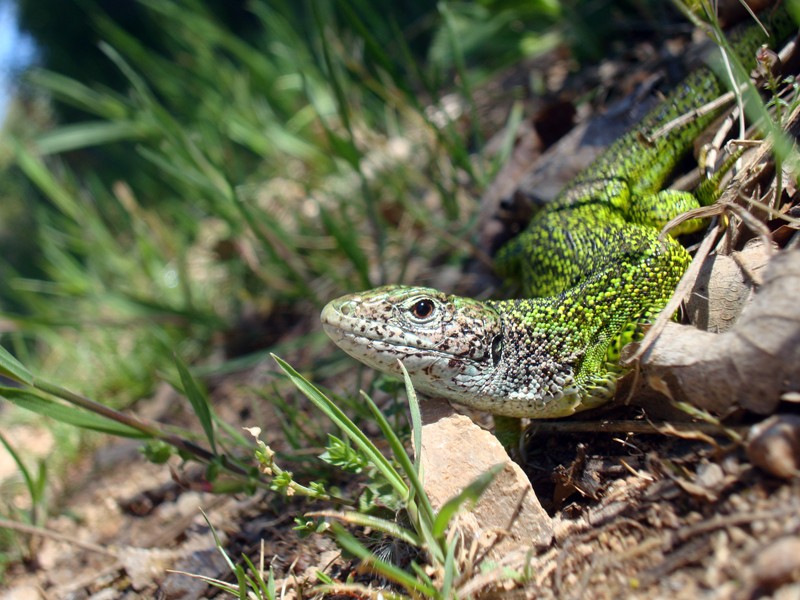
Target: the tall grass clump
pixel 228 177
pixel 231 180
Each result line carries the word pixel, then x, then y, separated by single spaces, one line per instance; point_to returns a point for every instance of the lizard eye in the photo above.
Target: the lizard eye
pixel 423 309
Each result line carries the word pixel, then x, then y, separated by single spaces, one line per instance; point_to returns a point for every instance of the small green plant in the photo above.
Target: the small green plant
pixel 394 486
pixel 398 485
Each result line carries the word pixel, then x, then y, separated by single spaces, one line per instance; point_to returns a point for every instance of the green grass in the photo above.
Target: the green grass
pixel 232 178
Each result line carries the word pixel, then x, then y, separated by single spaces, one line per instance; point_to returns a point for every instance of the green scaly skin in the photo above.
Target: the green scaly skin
pixel 593 268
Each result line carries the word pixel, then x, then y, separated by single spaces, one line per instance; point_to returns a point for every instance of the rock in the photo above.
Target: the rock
pixel 774 446
pixel 454 452
pixel 22 592
pixel 778 563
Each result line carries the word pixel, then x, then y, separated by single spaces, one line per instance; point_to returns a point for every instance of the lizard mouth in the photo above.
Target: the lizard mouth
pixel 377 347
pixel 362 347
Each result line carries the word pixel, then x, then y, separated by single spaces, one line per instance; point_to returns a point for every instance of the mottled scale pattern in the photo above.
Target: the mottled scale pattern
pixel 608 305
pixel 592 267
pixel 581 227
pixel 607 223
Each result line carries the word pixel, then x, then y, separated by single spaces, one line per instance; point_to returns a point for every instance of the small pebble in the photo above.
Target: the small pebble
pixel 778 563
pixel 774 446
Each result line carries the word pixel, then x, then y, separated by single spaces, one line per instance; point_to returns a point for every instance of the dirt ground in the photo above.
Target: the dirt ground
pixel 635 516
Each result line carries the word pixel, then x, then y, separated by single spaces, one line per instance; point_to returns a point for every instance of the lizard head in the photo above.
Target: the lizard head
pixel 449 345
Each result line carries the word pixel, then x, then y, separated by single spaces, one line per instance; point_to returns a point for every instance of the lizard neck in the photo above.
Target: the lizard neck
pixel 540 357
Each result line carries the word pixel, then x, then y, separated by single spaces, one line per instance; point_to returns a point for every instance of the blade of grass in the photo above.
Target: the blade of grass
pixel 416 419
pixel 129 72
pixel 348 243
pixel 267 588
pixel 383 525
pixel 34 486
pixel 77 94
pixel 83 135
pixel 460 65
pixel 67 414
pixel 10 367
pixel 423 516
pixel 343 422
pixel 45 180
pixel 148 429
pixel 450 568
pixel 349 543
pixel 469 495
pixel 199 402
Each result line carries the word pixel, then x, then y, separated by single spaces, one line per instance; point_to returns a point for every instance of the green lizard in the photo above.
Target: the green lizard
pixel 593 268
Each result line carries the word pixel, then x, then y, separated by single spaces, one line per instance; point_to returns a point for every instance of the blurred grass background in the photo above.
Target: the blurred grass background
pixel 197 178
pixel 190 163
pixel 169 168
